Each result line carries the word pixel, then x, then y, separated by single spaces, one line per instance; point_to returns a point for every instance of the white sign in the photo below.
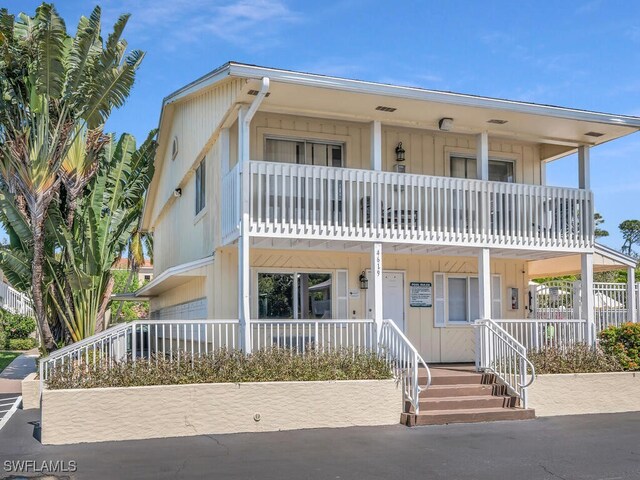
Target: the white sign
pixel 355 293
pixel 421 294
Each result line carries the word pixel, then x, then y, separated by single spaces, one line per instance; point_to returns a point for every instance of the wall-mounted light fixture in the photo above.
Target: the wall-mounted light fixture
pixel 399 153
pixel 364 281
pixel 445 124
pixel 177 192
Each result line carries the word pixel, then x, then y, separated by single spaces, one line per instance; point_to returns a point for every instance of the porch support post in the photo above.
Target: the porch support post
pixel 244 311
pixel 224 151
pixel 484 283
pixel 632 314
pixel 482 156
pixel 376 248
pixel 587 300
pixel 584 167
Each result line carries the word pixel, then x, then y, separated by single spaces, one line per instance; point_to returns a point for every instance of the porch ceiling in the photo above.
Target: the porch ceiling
pixel 398 248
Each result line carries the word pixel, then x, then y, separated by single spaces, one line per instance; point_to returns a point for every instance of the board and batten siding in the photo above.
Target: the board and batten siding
pixel 426 151
pixel 448 344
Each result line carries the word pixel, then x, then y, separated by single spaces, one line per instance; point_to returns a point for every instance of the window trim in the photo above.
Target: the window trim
pixel 468 156
pixel 255 272
pixel 306 140
pixel 514 157
pixel 202 189
pixel 467 276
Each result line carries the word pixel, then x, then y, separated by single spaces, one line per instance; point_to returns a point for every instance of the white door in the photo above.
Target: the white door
pixel 392 297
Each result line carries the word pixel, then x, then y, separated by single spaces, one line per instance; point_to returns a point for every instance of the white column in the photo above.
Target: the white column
pixel 584 168
pixel 543 173
pixel 244 307
pixel 482 156
pixel 632 314
pixel 484 283
pixel 224 151
pixel 376 248
pixel 587 299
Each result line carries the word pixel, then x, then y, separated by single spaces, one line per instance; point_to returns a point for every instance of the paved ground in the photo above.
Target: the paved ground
pixel 577 447
pixel 21 366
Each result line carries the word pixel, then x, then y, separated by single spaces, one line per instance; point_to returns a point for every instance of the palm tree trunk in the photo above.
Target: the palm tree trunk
pixel 36 281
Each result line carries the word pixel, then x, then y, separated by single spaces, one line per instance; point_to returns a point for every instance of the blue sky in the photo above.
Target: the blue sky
pixel 583 54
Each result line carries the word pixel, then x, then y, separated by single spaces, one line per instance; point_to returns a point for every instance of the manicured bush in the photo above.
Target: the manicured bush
pixel 623 343
pixel 224 367
pixel 578 358
pixel 17 326
pixel 21 343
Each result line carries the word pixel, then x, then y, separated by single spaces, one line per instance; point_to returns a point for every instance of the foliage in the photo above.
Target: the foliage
pixel 630 230
pixel 130 310
pixel 597 221
pixel 578 358
pixel 56 93
pixel 225 366
pixel 6 358
pixel 16 326
pixel 22 343
pixel 623 343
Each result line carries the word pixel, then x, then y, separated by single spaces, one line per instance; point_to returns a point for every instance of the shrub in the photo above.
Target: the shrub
pixel 623 343
pixel 224 367
pixel 3 339
pixel 21 343
pixel 578 358
pixel 17 326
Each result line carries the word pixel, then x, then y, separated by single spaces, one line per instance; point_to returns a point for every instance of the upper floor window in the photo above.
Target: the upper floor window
pixel 465 167
pixel 307 152
pixel 201 186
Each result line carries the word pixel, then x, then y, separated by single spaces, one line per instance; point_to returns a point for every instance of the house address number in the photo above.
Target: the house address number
pixel 421 294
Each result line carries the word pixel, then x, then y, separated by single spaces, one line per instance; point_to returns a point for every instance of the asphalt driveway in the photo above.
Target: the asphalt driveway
pixel 575 447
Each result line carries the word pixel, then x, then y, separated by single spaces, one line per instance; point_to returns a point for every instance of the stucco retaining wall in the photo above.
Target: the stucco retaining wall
pixel 577 393
pixel 103 414
pixel 30 392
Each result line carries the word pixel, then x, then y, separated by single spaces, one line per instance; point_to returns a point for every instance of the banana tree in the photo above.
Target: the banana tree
pixel 53 88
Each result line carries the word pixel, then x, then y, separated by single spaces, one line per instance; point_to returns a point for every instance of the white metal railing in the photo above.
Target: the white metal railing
pixel 537 334
pixel 610 305
pixel 230 209
pixel 15 301
pixel 146 339
pixel 304 201
pixel 405 361
pixel 325 335
pixel 500 353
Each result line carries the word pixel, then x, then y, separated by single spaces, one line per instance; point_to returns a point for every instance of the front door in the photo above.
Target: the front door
pixel 392 297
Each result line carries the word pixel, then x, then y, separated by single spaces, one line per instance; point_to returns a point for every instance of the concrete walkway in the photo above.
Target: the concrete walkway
pixel 585 447
pixel 21 366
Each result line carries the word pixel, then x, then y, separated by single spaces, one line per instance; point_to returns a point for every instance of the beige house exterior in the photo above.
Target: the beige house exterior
pixel 265 175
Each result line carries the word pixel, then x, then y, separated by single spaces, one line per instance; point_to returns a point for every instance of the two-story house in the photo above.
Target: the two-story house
pixel 287 195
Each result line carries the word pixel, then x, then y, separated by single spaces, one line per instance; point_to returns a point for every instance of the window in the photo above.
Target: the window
pixel 465 167
pixel 457 302
pixel 305 152
pixel 201 186
pixel 295 295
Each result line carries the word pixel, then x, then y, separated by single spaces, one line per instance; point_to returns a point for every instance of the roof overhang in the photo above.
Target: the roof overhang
pixel 604 259
pixel 175 276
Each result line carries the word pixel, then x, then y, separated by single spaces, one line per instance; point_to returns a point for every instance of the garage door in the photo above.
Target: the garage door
pixel 195 310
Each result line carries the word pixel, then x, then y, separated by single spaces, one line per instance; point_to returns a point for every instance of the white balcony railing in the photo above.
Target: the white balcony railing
pixel 303 201
pixel 15 301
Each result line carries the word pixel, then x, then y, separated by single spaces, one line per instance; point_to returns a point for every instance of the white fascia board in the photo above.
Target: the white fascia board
pixel 415 93
pixel 615 255
pixel 173 271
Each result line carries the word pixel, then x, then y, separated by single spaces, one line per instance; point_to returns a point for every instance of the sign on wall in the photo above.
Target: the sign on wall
pixel 421 294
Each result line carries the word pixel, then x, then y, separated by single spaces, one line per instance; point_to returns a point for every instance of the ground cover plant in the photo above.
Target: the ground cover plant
pixel 223 366
pixel 623 343
pixel 577 358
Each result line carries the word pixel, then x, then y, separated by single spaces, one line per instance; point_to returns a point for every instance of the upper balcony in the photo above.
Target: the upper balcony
pixel 325 203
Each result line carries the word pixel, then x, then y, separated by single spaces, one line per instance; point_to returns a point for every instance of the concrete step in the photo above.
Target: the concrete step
pixel 467 378
pixel 474 415
pixel 436 391
pixel 467 402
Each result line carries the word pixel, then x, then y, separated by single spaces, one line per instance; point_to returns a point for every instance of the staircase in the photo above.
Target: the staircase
pixel 459 394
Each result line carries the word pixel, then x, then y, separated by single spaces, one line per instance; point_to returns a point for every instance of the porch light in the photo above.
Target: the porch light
pixel 364 281
pixel 399 153
pixel 445 124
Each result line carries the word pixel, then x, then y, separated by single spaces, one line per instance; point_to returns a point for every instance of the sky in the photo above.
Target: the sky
pixel 581 54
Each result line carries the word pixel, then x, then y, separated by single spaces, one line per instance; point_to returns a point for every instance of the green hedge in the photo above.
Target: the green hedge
pixel 224 367
pixel 21 343
pixel 623 343
pixel 17 329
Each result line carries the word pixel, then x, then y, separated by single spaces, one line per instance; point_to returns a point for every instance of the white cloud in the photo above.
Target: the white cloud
pixel 255 23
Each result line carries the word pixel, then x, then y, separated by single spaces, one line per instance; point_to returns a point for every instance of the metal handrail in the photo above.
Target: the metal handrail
pixel 493 355
pixel 404 360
